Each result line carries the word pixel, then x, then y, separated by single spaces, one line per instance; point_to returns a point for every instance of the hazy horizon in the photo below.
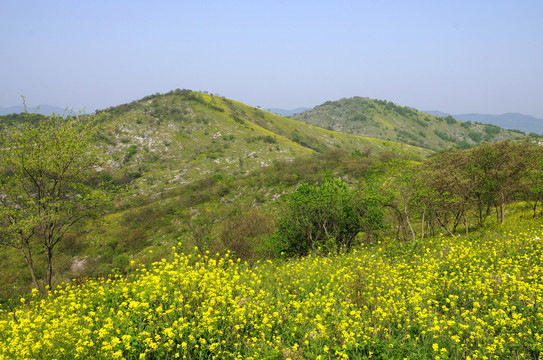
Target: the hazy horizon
pixel 456 57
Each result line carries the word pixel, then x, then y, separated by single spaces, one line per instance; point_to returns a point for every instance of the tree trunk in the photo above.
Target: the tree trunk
pixel 502 208
pixel 406 217
pixel 534 208
pixel 422 225
pixel 444 226
pixel 30 264
pixel 49 269
pixel 456 221
pixel 480 219
pixel 466 223
pixel 400 227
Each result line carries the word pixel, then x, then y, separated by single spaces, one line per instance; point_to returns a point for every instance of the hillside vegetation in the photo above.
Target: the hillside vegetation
pixel 201 170
pixel 324 245
pixel 183 136
pixel 166 140
pixel 386 120
pixel 187 166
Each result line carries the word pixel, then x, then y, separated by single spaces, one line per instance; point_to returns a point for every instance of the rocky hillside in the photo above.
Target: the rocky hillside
pixel 167 140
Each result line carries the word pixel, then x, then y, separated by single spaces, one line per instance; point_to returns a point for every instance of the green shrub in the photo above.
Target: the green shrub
pixel 445 136
pixel 491 130
pixel 131 151
pixel 325 216
pixel 475 136
pixel 450 120
pixel 359 118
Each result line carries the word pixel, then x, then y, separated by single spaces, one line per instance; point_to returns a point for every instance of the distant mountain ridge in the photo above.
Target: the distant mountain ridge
pixel 41 109
pixel 285 112
pixel 526 123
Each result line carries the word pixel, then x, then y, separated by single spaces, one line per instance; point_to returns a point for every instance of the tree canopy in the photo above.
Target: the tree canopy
pixel 43 191
pixel 328 215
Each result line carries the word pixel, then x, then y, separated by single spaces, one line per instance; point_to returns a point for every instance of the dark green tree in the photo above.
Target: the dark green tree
pixel 373 212
pixel 325 215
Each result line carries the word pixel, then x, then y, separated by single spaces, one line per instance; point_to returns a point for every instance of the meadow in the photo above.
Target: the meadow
pixel 476 297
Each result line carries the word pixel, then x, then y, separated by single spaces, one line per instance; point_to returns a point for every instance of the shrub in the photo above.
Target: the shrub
pixel 325 216
pixel 359 118
pixel 491 130
pixel 475 136
pixel 450 120
pixel 131 151
pixel 242 228
pixel 445 136
pixel 422 123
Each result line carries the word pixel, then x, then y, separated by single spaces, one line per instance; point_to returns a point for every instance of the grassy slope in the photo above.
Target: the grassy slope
pixel 185 136
pixel 448 298
pixel 385 120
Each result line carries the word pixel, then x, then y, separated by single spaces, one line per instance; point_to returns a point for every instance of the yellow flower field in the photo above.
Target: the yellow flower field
pixel 449 298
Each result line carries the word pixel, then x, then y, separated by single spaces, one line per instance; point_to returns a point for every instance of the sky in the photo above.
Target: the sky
pixel 453 56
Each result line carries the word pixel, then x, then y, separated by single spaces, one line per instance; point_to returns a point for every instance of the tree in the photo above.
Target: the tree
pixel 402 191
pixel 451 194
pixel 531 188
pixel 43 169
pixel 474 181
pixel 319 215
pixel 372 205
pixel 450 120
pixel 497 170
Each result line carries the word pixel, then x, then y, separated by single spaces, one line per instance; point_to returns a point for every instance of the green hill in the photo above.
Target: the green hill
pixel 388 121
pixel 166 140
pixel 196 168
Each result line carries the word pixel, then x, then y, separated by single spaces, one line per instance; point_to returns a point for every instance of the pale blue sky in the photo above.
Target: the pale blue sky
pixel 453 56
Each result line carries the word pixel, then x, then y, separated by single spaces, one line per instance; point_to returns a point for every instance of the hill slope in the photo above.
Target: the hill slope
pixel 183 136
pixel 192 161
pixel 42 109
pixel 388 121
